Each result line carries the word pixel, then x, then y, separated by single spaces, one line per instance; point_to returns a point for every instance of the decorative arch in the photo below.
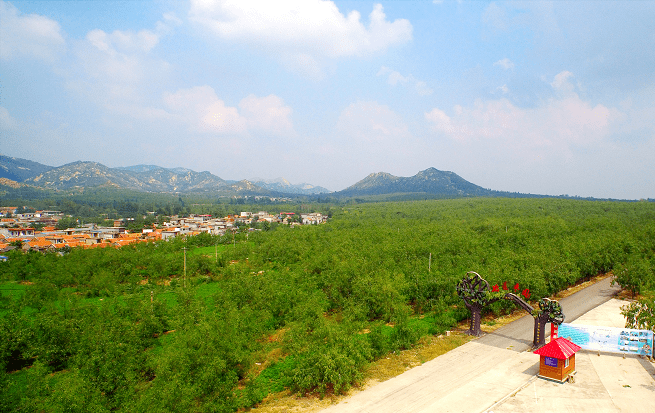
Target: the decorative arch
pixel 474 291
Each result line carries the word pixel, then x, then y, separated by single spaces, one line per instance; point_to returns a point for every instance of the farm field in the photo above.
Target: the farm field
pixel 305 309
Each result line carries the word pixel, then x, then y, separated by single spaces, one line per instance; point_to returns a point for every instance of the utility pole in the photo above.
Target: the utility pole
pixel 184 266
pixel 430 263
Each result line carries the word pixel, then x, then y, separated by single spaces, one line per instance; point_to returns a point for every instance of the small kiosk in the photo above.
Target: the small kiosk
pixel 557 359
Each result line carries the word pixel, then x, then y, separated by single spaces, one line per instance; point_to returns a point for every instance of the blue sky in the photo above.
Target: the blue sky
pixel 541 97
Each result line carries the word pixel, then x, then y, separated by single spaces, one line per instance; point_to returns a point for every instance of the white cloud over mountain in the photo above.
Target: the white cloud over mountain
pixel 204 111
pixel 201 109
pixel 555 129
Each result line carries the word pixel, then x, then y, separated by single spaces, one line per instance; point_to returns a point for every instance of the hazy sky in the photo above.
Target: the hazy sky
pixel 540 97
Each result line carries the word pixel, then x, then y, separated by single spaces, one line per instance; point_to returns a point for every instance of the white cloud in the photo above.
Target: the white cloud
pixel 540 16
pixel 7 122
pixel 504 89
pixel 29 35
pixel 301 32
pixel 394 78
pixel 559 125
pixel 201 109
pixel 267 115
pixel 561 83
pixel 118 70
pixel 371 122
pixel 373 132
pixel 303 63
pixel 505 64
pixel 113 59
pixel 422 88
pixel 495 16
pixel 566 145
pixel 204 112
pixel 171 18
pixel 370 137
pixel 557 128
pixel 123 41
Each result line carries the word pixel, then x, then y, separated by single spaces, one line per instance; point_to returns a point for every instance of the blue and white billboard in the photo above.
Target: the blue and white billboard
pixel 609 339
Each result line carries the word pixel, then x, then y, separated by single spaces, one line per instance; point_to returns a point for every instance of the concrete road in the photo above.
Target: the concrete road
pixel 472 377
pixel 603 383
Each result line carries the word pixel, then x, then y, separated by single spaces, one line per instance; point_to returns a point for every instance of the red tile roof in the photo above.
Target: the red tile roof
pixel 560 348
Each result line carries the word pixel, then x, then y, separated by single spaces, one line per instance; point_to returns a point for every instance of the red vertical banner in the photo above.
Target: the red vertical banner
pixel 553 331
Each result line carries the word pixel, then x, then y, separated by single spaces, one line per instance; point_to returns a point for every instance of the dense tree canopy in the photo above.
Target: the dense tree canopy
pixel 305 308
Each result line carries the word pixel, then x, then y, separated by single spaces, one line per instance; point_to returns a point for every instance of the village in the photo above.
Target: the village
pixel 18 230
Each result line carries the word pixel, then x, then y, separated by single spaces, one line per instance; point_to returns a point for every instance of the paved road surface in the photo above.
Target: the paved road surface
pixel 605 383
pixel 474 376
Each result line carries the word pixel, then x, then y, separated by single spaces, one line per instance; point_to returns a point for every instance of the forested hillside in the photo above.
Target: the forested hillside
pixel 301 308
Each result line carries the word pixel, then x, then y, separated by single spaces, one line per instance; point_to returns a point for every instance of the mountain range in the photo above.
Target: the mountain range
pixel 145 178
pixel 152 178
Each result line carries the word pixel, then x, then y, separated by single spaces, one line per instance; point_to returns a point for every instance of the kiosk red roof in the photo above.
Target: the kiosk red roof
pixel 560 348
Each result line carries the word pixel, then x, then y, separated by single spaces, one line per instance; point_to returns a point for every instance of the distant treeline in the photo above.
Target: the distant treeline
pixel 100 204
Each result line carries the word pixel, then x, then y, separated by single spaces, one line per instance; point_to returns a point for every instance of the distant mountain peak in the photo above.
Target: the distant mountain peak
pixel 18 170
pixel 429 181
pixel 380 175
pixel 284 186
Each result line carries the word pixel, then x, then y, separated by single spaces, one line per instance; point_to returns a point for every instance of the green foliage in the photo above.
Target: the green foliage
pixel 404 335
pixel 640 314
pixel 119 330
pixel 634 275
pixel 334 360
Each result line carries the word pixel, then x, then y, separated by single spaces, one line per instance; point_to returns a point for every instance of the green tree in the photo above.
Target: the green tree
pixel 640 314
pixel 67 222
pixel 633 275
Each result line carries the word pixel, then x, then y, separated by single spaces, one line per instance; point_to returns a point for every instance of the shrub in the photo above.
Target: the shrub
pixel 331 368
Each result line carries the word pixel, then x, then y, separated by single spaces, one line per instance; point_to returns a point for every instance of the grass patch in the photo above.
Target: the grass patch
pixel 206 290
pixel 12 289
pixel 207 251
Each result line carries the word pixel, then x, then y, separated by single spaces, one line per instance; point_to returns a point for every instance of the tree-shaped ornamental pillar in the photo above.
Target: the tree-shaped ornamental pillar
pixel 474 291
pixel 549 311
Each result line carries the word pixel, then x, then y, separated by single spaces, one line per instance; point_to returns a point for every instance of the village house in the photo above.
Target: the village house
pixel 313 218
pixel 4 211
pixel 8 222
pixel 17 232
